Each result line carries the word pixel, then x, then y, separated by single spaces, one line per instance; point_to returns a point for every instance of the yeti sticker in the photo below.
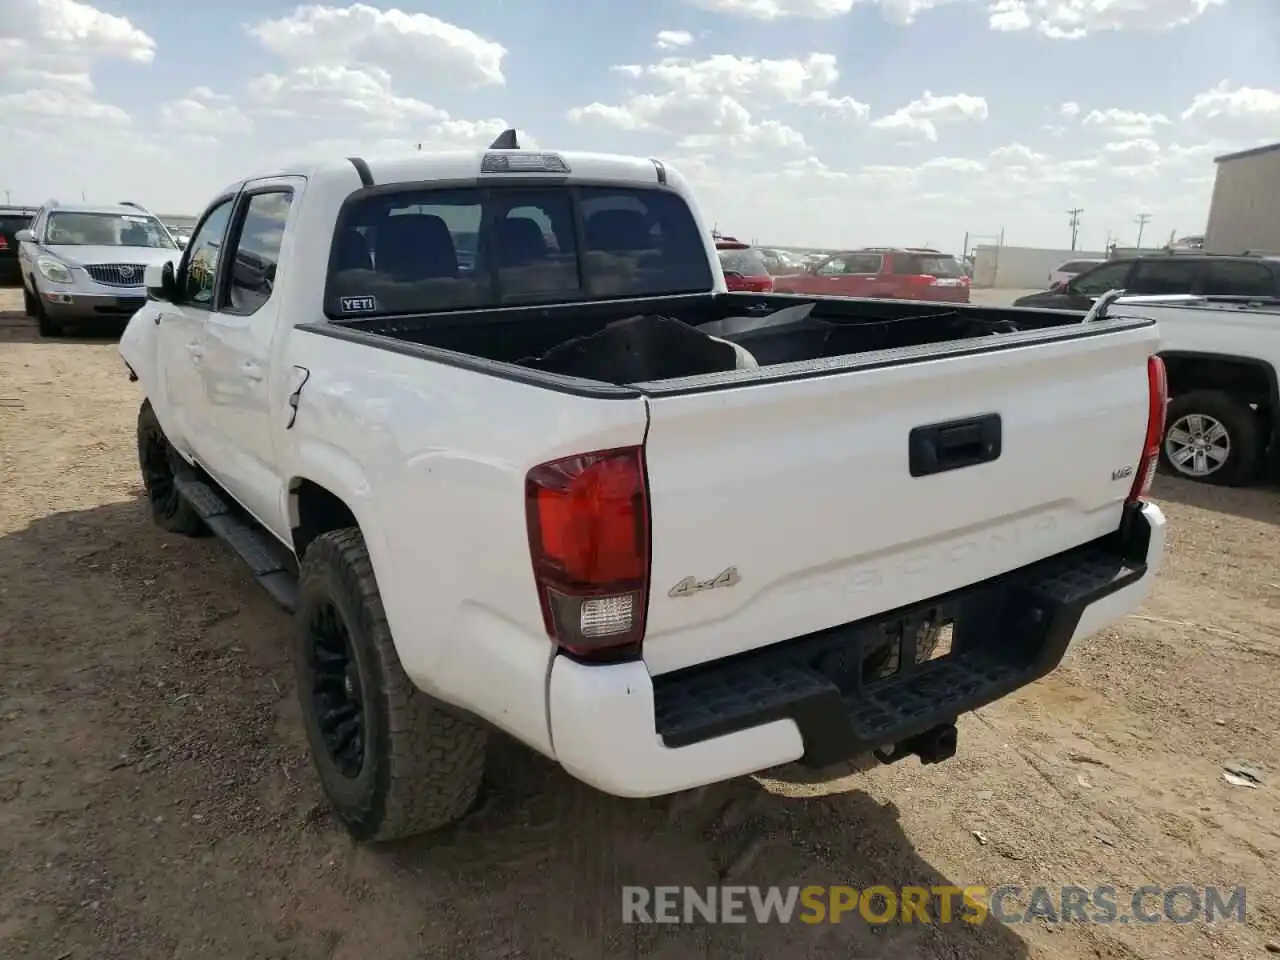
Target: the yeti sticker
pixel 358 304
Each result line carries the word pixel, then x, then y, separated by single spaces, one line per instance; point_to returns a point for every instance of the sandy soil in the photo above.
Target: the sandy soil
pixel 156 799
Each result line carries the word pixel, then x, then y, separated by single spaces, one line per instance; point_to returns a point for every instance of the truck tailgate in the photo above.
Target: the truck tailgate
pixel 804 487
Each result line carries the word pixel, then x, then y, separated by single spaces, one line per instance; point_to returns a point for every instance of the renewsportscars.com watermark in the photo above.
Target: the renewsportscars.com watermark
pixel 1007 904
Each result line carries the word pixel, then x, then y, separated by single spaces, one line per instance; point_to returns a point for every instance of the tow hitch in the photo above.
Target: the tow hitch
pixel 932 746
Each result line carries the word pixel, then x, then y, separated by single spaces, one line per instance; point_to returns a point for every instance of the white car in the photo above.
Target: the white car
pixel 572 489
pixel 84 264
pixel 1064 272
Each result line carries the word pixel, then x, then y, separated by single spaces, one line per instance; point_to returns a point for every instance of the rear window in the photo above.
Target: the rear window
pixel 748 262
pixel 929 265
pixel 10 224
pixel 424 250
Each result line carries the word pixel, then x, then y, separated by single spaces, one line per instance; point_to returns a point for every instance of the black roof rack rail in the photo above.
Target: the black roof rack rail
pixel 507 140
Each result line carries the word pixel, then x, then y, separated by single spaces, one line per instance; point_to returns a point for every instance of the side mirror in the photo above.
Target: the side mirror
pixel 161 281
pixel 23 236
pixel 1059 286
pixel 735 274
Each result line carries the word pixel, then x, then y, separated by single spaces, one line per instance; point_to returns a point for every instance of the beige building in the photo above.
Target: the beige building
pixel 1245 211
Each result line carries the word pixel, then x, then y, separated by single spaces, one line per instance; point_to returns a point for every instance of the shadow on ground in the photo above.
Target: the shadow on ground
pixel 1260 502
pixel 162 803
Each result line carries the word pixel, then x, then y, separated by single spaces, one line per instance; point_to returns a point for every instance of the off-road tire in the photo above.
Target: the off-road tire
pixel 1243 429
pixel 422 767
pixel 34 308
pixel 158 462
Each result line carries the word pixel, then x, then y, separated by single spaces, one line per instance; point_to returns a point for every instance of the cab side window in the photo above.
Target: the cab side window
pixel 1165 277
pixel 1238 278
pixel 835 265
pixel 200 273
pixel 256 251
pixel 1109 276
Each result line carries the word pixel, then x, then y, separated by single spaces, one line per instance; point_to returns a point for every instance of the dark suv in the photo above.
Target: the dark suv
pixel 1162 275
pixel 12 219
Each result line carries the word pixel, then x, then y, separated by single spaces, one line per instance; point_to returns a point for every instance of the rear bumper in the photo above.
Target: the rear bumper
pixel 631 735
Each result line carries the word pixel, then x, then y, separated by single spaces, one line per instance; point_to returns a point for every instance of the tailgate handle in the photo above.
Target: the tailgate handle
pixel 938 447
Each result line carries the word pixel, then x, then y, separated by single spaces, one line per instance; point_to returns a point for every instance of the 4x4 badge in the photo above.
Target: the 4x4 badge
pixel 691 585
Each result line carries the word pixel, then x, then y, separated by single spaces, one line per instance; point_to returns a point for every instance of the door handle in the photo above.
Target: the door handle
pixel 251 371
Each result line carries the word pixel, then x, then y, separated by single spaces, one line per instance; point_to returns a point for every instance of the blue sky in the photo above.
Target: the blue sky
pixel 820 122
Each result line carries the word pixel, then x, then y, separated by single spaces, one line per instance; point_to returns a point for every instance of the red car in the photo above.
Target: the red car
pixel 887 273
pixel 743 267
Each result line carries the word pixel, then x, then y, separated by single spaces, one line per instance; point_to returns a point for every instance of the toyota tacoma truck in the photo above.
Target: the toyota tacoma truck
pixel 491 426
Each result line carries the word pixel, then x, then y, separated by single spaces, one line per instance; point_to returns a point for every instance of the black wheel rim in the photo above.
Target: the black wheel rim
pixel 336 696
pixel 157 470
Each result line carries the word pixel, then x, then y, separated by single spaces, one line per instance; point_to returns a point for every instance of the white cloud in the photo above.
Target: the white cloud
pixel 902 12
pixel 1126 123
pixel 338 93
pixel 778 9
pixel 672 39
pixel 920 118
pixel 1073 19
pixel 67 36
pixel 415 43
pixel 702 102
pixel 48 49
pixel 1069 110
pixel 204 113
pixel 1237 109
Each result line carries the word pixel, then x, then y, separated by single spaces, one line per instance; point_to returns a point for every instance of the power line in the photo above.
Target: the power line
pixel 1141 220
pixel 1074 214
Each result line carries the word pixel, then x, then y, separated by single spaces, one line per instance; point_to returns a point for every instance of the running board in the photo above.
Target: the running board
pixel 268 560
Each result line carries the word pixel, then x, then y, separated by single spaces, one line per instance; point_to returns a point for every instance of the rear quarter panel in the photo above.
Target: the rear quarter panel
pixel 432 461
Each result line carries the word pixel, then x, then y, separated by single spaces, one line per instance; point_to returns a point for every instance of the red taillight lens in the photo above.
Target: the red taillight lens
pixel 1157 400
pixel 4 244
pixel 588 519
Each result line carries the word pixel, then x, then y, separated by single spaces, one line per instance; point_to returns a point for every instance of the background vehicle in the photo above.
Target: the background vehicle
pixel 1222 355
pixel 12 219
pixel 881 272
pixel 1064 272
pixel 1165 275
pixel 84 263
pixel 582 493
pixel 744 268
pixel 778 261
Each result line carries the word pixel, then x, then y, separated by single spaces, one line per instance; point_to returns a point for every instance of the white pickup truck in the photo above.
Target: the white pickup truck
pixel 491 426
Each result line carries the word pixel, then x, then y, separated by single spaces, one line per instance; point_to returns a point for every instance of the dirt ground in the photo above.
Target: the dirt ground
pixel 156 799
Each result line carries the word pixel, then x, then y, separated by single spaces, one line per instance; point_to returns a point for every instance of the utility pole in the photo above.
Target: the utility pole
pixel 1074 214
pixel 1141 220
pixel 8 200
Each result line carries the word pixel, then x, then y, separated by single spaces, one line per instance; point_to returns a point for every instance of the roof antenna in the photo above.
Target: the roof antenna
pixel 506 141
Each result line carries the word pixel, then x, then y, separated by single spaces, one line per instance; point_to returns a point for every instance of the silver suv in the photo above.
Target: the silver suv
pixel 84 263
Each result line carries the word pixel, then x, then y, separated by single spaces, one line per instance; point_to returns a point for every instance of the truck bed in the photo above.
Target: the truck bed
pixel 826 329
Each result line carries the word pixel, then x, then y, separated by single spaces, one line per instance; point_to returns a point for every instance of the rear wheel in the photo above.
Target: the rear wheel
pixel 157 460
pixel 1211 437
pixel 391 762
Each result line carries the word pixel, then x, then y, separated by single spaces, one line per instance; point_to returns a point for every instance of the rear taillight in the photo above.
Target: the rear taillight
pixel 1157 400
pixel 4 244
pixel 588 519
